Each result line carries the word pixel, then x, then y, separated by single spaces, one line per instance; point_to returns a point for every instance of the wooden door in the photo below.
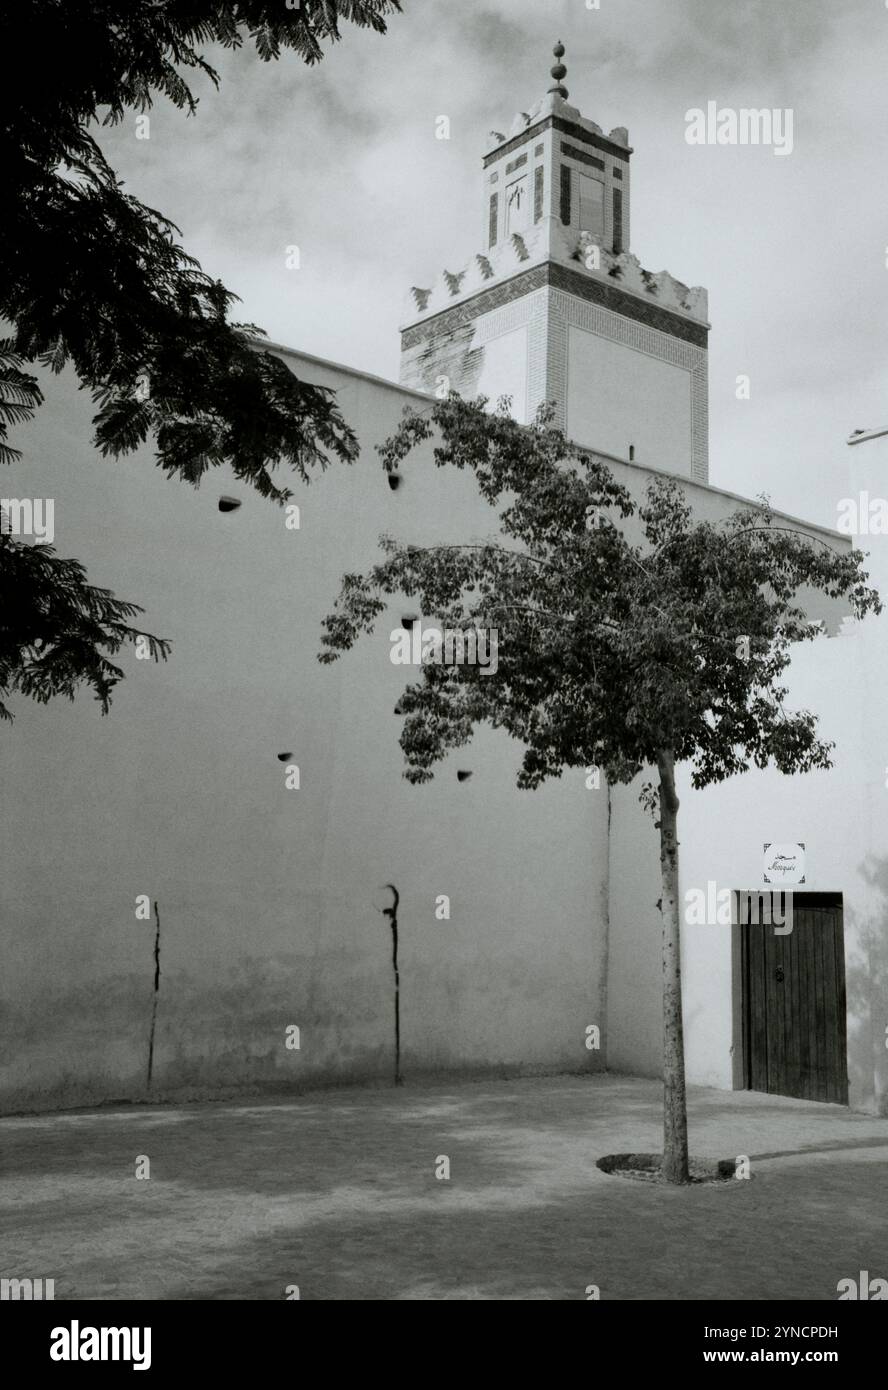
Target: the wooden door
pixel 794 999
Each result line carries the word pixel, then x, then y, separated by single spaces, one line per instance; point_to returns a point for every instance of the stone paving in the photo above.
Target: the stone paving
pixel 336 1192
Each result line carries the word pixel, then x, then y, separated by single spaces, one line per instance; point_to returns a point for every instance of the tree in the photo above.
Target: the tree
pixel 55 628
pixel 630 636
pixel 90 275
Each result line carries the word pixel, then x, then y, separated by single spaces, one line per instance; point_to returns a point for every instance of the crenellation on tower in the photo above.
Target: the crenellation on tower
pixel 563 246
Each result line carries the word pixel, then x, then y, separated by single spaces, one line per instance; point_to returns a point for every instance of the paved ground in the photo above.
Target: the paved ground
pixel 336 1192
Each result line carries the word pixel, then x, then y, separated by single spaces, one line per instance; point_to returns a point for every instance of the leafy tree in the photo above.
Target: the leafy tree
pixel 629 637
pixel 91 276
pixel 56 629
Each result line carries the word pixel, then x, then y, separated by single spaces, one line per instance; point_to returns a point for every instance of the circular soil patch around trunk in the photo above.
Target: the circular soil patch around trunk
pixel 647 1168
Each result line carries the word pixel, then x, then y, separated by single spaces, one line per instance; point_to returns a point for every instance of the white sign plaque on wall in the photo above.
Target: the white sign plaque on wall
pixel 784 863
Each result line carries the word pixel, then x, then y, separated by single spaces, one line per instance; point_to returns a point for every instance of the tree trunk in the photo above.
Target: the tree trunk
pixel 675 1115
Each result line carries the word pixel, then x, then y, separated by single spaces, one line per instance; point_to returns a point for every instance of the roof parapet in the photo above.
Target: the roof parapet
pixel 550 240
pixel 554 105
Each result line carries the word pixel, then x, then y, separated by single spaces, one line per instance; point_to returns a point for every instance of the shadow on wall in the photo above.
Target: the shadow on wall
pixel 867 989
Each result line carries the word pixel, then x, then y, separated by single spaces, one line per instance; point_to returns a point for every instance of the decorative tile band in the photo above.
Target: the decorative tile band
pixel 572 282
pixel 480 303
pixel 586 137
pixel 585 287
pixel 564 206
pixel 617 238
pixel 573 153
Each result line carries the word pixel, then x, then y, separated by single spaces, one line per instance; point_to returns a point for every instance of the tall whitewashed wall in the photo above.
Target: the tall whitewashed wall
pixel 269 899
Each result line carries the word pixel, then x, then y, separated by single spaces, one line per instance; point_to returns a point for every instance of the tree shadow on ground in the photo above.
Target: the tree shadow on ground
pixel 631 1240
pixel 840 1146
pixel 341 1198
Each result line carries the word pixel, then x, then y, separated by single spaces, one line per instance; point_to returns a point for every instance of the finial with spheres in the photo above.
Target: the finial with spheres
pixel 559 71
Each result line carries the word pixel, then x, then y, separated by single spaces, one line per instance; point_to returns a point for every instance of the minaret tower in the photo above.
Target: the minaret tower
pixel 553 305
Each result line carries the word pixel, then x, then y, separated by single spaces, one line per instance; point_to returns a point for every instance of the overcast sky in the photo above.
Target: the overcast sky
pixel 342 160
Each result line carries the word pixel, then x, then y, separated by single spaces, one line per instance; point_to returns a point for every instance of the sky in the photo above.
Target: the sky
pixel 342 160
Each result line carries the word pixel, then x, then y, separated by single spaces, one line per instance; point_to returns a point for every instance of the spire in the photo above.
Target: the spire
pixel 559 72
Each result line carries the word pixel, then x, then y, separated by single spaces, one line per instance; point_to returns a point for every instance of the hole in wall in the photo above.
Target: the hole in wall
pixel 394 481
pixel 283 757
pixel 229 504
pixel 409 621
pixel 631 453
pixel 463 775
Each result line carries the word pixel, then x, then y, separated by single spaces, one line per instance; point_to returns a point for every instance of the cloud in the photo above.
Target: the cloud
pixel 342 160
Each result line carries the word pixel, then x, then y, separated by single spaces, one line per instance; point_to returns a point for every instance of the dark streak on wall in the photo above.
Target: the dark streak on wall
pixel 392 914
pixel 156 992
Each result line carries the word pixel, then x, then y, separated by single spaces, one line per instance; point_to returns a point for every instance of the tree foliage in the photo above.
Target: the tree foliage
pixel 92 277
pixel 56 630
pixel 623 628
